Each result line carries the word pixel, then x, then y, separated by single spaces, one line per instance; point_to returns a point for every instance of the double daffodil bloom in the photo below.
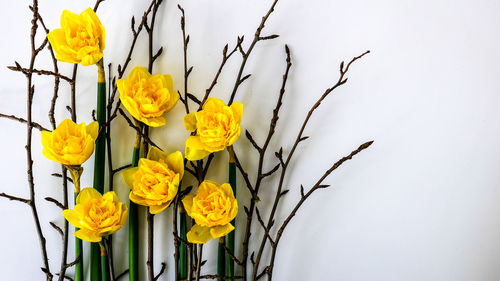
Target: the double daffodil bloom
pixel 217 126
pixel 80 38
pixel 96 215
pixel 70 144
pixel 154 183
pixel 147 97
pixel 213 208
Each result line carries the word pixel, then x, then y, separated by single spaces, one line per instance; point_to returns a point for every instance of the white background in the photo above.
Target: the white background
pixel 423 203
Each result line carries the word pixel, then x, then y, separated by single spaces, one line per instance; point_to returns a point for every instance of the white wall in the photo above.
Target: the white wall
pixel 423 203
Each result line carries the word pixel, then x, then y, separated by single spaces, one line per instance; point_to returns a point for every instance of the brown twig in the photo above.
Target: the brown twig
pixel 136 128
pixel 30 92
pixel 318 185
pixel 26 71
pixel 285 163
pixel 24 121
pixel 149 263
pixel 254 188
pixel 15 198
pixel 186 70
pixel 246 54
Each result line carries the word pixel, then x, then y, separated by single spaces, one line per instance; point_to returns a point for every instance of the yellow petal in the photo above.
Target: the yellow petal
pixel 91 59
pixel 212 104
pixel 187 201
pixel 175 161
pixel 199 234
pixel 67 124
pixel 195 150
pixel 138 73
pixel 154 122
pixel 158 208
pixel 111 195
pixel 138 200
pixel 222 230
pixel 87 194
pixel 120 84
pixel 226 188
pixel 190 122
pixel 97 24
pixel 46 138
pixel 169 83
pixel 93 129
pixel 88 236
pixel 237 109
pixel 156 154
pixel 72 217
pixel 128 176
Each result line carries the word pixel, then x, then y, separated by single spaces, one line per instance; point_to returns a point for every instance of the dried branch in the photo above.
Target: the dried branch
pixel 162 270
pixel 186 71
pixel 123 274
pixel 97 3
pixel 137 128
pixel 30 92
pixel 57 203
pixel 213 276
pixel 26 71
pixel 15 198
pixel 58 229
pixel 341 80
pixel 24 121
pixel 225 58
pixel 254 189
pixel 247 53
pixel 304 197
pixel 61 176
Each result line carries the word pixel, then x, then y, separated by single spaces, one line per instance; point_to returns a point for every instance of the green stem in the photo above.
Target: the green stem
pixel 221 259
pixel 230 236
pixel 76 172
pixel 183 249
pixel 133 220
pixel 99 163
pixel 78 253
pixel 104 263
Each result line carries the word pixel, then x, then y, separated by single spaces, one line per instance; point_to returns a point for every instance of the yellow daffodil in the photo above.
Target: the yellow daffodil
pixel 80 38
pixel 70 144
pixel 217 126
pixel 147 97
pixel 96 215
pixel 213 208
pixel 154 183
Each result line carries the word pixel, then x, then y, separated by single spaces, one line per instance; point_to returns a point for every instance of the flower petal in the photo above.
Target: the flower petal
pixel 88 236
pixel 175 161
pixel 222 230
pixel 155 209
pixel 237 109
pixel 187 201
pixel 199 234
pixel 190 122
pixel 72 217
pixel 156 154
pixel 87 194
pixel 93 129
pixel 195 150
pixel 128 176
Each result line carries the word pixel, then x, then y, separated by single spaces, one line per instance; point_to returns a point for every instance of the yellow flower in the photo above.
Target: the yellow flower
pixel 96 215
pixel 154 183
pixel 70 144
pixel 80 38
pixel 147 97
pixel 213 208
pixel 217 126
